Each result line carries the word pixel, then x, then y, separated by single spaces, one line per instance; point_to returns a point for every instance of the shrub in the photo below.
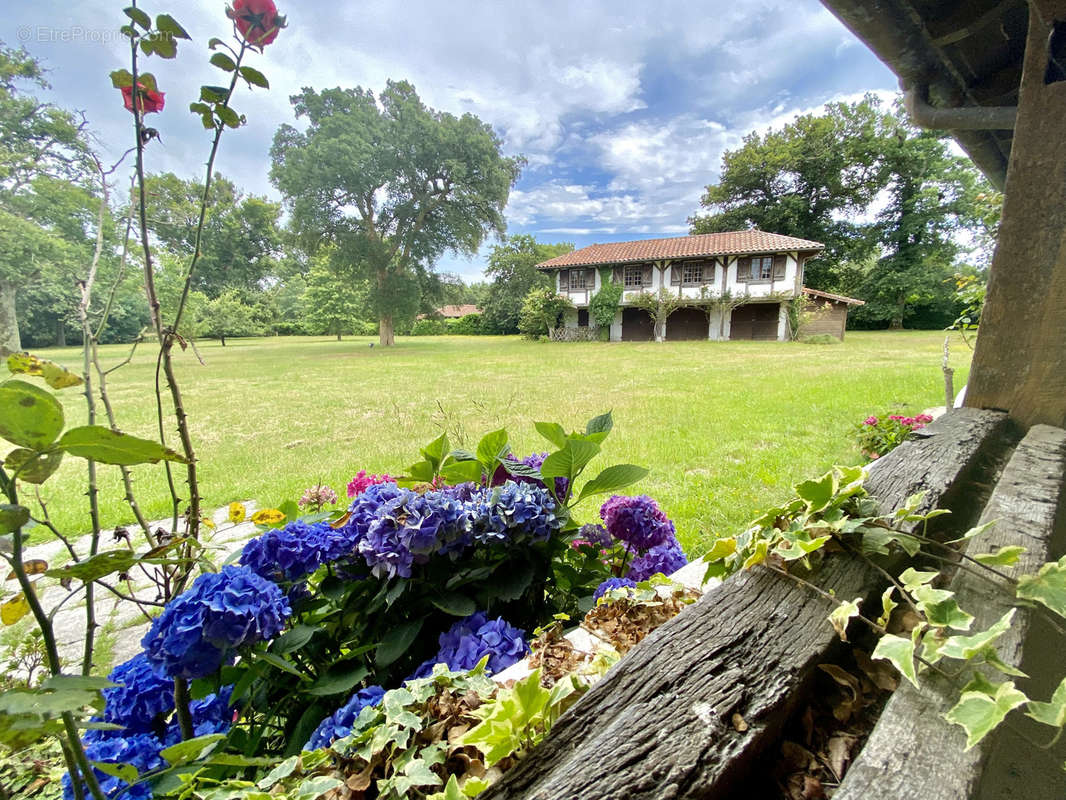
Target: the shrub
pixel 427 327
pixel 603 307
pixel 469 325
pixel 541 311
pixel 362 327
pixel 879 435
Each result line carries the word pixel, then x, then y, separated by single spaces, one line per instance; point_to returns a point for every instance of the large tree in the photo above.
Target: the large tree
pixel 813 179
pixel 392 185
pixel 37 140
pixel 512 267
pixel 241 241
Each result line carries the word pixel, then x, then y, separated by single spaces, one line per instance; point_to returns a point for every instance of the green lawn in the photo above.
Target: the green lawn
pixel 726 427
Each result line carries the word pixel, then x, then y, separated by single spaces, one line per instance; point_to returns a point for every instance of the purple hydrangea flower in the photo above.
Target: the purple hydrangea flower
pixel 339 724
pixel 666 558
pixel 595 535
pixel 534 460
pixel 202 628
pixel 140 697
pixel 292 552
pixel 469 640
pixel 637 521
pixel 610 584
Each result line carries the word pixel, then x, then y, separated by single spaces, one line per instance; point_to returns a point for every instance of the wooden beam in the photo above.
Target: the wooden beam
pixel 1019 364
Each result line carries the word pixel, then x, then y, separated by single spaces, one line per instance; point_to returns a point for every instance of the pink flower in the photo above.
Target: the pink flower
pixel 316 497
pixel 924 419
pixel 871 420
pixel 361 482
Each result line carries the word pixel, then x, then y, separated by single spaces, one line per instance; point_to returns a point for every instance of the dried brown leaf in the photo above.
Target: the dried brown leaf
pixel 881 673
pixel 739 723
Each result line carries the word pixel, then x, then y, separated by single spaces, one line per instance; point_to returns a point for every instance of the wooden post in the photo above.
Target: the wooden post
pixel 1019 362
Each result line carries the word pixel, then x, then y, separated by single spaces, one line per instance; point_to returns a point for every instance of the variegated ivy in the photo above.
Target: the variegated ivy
pixel 836 508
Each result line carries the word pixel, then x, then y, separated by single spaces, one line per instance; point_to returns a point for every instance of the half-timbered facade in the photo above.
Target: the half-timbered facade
pixel 735 284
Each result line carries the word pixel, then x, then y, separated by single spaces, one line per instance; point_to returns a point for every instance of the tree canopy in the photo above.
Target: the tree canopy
pixel 512 268
pixel 392 184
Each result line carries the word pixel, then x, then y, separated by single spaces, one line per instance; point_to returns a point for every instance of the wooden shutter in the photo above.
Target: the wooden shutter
pixel 744 268
pixel 707 275
pixel 675 274
pixel 779 266
pixel 564 280
pixel 645 279
pixel 616 274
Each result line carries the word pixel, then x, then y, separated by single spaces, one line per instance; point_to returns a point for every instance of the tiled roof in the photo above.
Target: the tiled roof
pixel 851 301
pixel 704 244
pixel 457 311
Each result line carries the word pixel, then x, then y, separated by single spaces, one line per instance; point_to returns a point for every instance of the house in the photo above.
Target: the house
pixel 451 312
pixel 830 312
pixel 738 283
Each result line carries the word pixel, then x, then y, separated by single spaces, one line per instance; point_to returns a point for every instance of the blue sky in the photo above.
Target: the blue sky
pixel 623 109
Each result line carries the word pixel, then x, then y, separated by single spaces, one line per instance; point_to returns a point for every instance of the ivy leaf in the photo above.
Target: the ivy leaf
pixel 420 773
pixel 818 493
pixel 941 609
pixel 967 647
pixel 912 579
pixel 842 614
pixel 280 772
pixel 32 466
pixel 900 653
pixel 976 531
pixel 722 548
pixel 313 788
pixel 978 713
pixel 613 478
pixel 1048 586
pixel 255 77
pixel 29 416
pixel 1053 713
pixel 97 443
pixel 758 554
pixel 887 606
pixel 1006 556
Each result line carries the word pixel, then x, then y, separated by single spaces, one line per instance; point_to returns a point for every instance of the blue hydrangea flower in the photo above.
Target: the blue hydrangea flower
pixel 666 558
pixel 292 552
pixel 637 521
pixel 202 628
pixel 339 724
pixel 526 511
pixel 466 642
pixel 611 584
pixel 140 697
pixel 139 750
pixel 211 714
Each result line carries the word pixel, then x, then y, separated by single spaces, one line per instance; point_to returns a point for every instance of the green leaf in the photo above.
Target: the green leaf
pixel 462 472
pixel 191 749
pixel 842 614
pixel 294 639
pixel 979 713
pixel 124 772
pixel 255 77
pixel 601 424
pixel 492 447
pixel 941 609
pixel 1053 713
pixel 818 493
pixel 279 773
pixel 454 603
pixel 32 466
pixel 722 548
pixel 214 42
pixel 518 468
pixel 887 606
pixel 97 566
pixel 164 46
pixel 420 773
pixel 900 653
pixel 54 375
pixel 612 479
pixel 80 683
pixel 1006 556
pixel 223 62
pixel 121 78
pixel 967 647
pixel 1048 586
pixel 342 677
pixel 138 17
pixel 97 443
pixel 913 580
pixel 214 94
pixel 279 662
pixel 396 642
pixel 228 116
pixel 313 788
pixel 165 23
pixel 435 451
pixel 977 531
pixel 29 416
pixel 553 432
pixel 511 584
pixel 13 517
pixel 568 462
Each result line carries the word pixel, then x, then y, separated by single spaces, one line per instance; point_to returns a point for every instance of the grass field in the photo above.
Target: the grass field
pixel 726 427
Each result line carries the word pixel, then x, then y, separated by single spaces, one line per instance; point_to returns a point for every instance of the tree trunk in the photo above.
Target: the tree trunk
pixel 386 335
pixel 222 339
pixel 338 336
pixel 896 324
pixel 9 325
pixel 61 332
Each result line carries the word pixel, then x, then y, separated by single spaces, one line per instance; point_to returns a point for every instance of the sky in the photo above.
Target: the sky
pixel 622 109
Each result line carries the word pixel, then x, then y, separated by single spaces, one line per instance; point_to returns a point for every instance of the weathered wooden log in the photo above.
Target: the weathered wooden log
pixel 659 723
pixel 914 752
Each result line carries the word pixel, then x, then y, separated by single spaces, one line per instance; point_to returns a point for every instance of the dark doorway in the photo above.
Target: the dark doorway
pixel 582 318
pixel 637 326
pixel 686 324
pixel 755 321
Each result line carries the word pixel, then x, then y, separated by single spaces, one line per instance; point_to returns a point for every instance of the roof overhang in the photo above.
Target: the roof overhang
pixel 686 257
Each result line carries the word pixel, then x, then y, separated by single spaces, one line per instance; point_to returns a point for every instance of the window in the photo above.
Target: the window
pixel 692 273
pixel 762 268
pixel 579 279
pixel 633 277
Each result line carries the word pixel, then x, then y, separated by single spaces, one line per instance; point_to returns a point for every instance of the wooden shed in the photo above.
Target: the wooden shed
pixel 831 312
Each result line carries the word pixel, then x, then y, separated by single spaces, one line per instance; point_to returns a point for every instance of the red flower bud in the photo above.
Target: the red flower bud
pixel 148 101
pixel 258 21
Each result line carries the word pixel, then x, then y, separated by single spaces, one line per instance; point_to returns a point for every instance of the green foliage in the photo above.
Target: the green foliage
pixel 428 327
pixel 603 306
pixel 33 772
pixel 467 325
pixel 659 306
pixel 541 311
pixel 512 268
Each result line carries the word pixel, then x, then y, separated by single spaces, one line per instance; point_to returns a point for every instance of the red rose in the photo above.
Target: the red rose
pixel 257 20
pixel 149 101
